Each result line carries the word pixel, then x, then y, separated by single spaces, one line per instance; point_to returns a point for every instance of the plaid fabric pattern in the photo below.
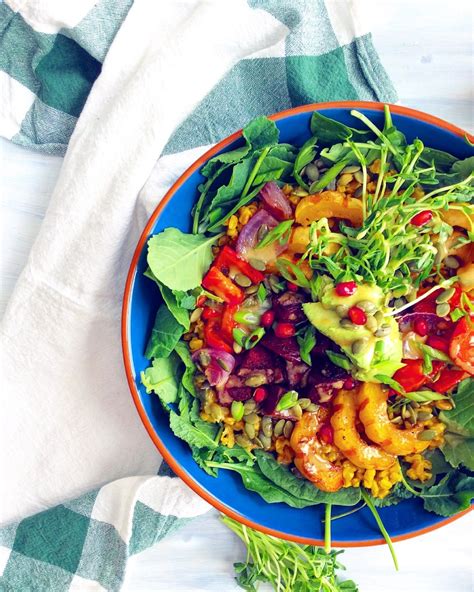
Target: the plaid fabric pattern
pixel 48 64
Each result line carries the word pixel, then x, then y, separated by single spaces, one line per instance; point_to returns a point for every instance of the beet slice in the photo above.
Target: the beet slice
pixel 287 307
pixel 286 347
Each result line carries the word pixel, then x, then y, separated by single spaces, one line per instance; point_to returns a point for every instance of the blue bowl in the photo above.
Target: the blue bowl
pixel 141 300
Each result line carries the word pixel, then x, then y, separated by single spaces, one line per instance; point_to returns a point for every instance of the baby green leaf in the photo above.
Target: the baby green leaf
pixel 165 334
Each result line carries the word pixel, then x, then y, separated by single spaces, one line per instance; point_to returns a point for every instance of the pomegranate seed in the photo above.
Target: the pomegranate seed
pixel 346 288
pixel 421 218
pixel 260 394
pixel 438 343
pixel 349 384
pixel 266 320
pixel 284 330
pixel 292 287
pixel 421 328
pixel 357 315
pixel 326 433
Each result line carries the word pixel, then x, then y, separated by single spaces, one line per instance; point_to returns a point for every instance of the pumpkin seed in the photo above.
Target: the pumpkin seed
pixel 278 429
pixel 249 406
pixel 371 323
pixel 236 347
pixel 204 359
pixel 258 443
pixel 223 365
pixel 249 301
pixel 195 315
pixel 445 295
pixel 296 411
pixel 313 407
pixel 251 289
pixel 452 262
pixel 379 317
pixel 427 435
pixel 312 172
pixel 237 410
pixel 242 440
pixel 256 380
pixel 300 192
pixel 242 280
pixel 304 403
pixel 441 253
pixel 405 413
pixel 367 306
pixel 265 440
pixel 415 405
pixel 342 310
pixel 397 420
pixel 267 426
pixel 287 430
pixel 345 179
pixel 383 330
pixel 413 415
pixel 443 309
pixel 348 324
pixel 319 163
pixel 424 415
pixel 252 418
pixel 331 186
pixel 250 430
pixel 359 190
pixel 359 177
pixel 399 302
pixel 352 168
pixel 257 264
pixel 358 346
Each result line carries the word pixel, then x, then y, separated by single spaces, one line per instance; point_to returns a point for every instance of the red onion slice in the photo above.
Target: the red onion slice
pixel 275 201
pixel 248 239
pixel 216 364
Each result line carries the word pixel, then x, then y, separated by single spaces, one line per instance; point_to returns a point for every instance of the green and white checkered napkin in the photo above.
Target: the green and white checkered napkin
pixel 178 77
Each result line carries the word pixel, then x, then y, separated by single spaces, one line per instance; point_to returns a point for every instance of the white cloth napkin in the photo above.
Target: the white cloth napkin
pixel 68 423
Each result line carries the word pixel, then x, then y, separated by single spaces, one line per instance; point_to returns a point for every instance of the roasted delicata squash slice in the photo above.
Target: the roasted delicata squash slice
pixel 466 277
pixel 458 217
pixel 372 404
pixel 328 204
pixel 465 253
pixel 308 458
pixel 348 439
pixel 300 239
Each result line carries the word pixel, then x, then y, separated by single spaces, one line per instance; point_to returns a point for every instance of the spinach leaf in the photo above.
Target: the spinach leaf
pixel 160 378
pixel 194 435
pixel 330 131
pixel 338 152
pixel 458 446
pixel 451 495
pixel 273 169
pixel 442 161
pixel 179 260
pixel 302 489
pixel 306 342
pixel 459 171
pixel 221 161
pixel 174 300
pixel 261 132
pixel 165 334
pixel 305 156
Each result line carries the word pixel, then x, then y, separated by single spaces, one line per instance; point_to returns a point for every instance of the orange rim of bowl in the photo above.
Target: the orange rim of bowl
pixel 175 466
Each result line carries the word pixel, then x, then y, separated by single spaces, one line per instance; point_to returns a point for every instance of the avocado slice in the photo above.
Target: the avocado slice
pixel 380 355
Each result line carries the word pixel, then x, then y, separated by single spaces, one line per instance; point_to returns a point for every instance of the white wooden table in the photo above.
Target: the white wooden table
pixel 427 48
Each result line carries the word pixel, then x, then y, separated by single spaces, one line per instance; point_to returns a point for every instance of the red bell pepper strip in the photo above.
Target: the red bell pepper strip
pixel 428 305
pixel 448 379
pixel 211 313
pixel 214 337
pixel 411 376
pixel 228 321
pixel 228 258
pixel 461 347
pixel 220 285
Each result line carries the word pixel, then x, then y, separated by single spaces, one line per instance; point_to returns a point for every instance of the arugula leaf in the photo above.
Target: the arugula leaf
pixel 306 342
pixel 165 334
pixel 451 495
pixel 330 131
pixel 458 446
pixel 305 156
pixel 160 378
pixel 179 260
pixel 216 163
pixel 187 378
pixel 301 488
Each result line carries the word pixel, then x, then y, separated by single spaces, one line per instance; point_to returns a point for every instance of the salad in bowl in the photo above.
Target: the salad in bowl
pixel 316 328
